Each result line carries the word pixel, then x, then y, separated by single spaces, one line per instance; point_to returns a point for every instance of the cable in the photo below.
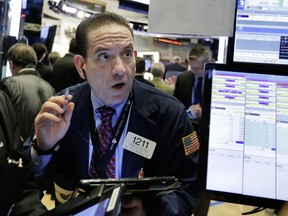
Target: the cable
pixel 253 211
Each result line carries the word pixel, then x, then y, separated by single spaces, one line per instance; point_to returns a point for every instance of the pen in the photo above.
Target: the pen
pixel 141 173
pixel 66 98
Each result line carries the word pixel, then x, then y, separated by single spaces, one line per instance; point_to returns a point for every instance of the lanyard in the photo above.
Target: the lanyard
pixel 104 158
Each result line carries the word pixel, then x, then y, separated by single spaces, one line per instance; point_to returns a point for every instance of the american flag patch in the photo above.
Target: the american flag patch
pixel 190 143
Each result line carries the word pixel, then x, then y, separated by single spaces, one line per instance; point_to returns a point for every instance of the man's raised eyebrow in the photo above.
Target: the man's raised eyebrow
pixel 101 49
pixel 129 46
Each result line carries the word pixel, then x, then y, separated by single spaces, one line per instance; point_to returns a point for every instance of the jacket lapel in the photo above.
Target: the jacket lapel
pixel 81 129
pixel 141 123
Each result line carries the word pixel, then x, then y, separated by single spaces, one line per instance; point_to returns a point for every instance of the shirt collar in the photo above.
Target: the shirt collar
pixel 96 103
pixel 197 78
pixel 26 69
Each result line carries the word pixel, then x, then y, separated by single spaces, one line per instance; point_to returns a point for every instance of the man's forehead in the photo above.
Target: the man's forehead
pixel 112 27
pixel 107 47
pixel 104 39
pixel 200 59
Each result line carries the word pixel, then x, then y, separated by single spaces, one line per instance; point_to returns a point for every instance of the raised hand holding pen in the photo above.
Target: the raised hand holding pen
pixel 53 120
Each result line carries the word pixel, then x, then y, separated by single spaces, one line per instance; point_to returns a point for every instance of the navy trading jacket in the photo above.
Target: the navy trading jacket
pixel 154 115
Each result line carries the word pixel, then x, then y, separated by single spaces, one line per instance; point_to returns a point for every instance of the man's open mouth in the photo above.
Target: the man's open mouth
pixel 118 85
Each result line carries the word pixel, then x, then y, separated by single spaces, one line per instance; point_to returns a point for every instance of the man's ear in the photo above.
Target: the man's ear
pixel 80 65
pixel 10 64
pixel 13 68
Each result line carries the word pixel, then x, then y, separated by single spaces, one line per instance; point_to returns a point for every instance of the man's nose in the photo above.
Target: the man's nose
pixel 118 67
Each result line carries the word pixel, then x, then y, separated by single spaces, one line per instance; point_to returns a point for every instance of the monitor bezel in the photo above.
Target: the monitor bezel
pixel 203 192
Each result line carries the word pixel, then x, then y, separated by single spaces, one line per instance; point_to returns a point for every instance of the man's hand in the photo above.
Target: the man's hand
pixel 52 122
pixel 171 81
pixel 196 110
pixel 132 206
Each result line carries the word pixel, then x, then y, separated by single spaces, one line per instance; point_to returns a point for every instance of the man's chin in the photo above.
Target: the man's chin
pixel 119 97
pixel 114 100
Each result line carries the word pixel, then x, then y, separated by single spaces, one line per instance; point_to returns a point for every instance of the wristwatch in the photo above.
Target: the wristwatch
pixel 40 151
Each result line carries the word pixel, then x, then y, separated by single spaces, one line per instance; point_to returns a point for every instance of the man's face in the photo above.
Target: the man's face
pixel 110 64
pixel 197 66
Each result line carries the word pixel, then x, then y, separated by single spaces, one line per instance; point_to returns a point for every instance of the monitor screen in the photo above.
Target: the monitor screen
pixel 100 200
pixel 47 36
pixel 97 209
pixel 243 134
pixel 150 58
pixel 260 32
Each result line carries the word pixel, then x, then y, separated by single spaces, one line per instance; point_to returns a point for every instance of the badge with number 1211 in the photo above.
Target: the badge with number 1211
pixel 139 145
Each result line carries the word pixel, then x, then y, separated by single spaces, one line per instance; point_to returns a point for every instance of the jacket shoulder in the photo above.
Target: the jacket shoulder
pixel 185 75
pixel 148 96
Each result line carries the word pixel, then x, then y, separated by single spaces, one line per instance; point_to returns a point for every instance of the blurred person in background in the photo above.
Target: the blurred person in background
pixel 44 69
pixel 65 73
pixel 175 65
pixel 15 167
pixel 53 57
pixel 188 87
pixel 26 89
pixel 157 70
pixel 140 70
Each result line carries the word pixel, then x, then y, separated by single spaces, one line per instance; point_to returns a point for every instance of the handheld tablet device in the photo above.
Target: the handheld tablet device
pixel 98 202
pixel 149 186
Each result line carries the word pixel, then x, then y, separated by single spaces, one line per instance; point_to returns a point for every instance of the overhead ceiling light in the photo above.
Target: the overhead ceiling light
pixel 87 14
pixel 80 14
pixel 69 9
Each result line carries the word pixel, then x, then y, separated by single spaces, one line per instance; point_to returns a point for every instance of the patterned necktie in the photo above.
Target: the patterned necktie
pixel 105 133
pixel 198 92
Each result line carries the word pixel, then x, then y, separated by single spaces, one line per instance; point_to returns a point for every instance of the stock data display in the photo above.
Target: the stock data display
pixel 248 151
pixel 261 31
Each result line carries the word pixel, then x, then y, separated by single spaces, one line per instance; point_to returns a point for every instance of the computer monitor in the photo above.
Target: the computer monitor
pixel 47 36
pixel 150 58
pixel 243 134
pixel 260 33
pixel 139 6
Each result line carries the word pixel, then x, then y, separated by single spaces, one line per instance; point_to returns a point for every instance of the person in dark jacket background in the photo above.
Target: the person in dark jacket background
pixel 25 88
pixel 140 69
pixel 15 168
pixel 174 66
pixel 65 73
pixel 44 69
